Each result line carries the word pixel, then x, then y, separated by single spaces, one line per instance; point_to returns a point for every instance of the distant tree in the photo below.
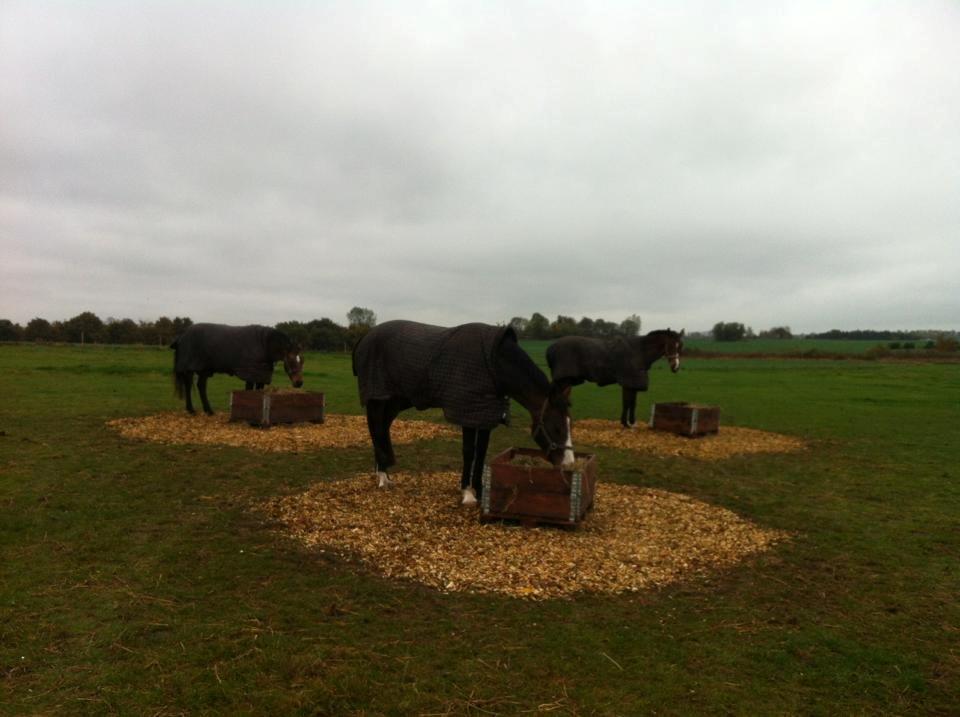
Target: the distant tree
pixel 162 331
pixel 563 326
pixel 296 331
pixel 519 324
pixel 777 332
pixel 604 329
pixel 85 327
pixel 361 317
pixel 586 327
pixel 947 344
pixel 181 324
pixel 729 331
pixel 327 335
pixel 122 331
pixel 538 327
pixel 359 322
pixel 630 326
pixel 10 331
pixel 39 330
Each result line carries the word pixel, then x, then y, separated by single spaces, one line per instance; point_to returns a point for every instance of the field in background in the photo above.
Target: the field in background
pixel 136 579
pixel 768 346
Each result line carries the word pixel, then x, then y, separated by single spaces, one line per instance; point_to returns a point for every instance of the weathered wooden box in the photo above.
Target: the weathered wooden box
pixel 685 419
pixel 535 494
pixel 267 408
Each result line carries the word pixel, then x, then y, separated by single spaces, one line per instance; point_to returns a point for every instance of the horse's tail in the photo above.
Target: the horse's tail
pixel 551 356
pixel 353 357
pixel 178 382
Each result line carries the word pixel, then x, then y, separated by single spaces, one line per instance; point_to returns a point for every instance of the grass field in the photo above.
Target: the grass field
pixel 829 347
pixel 134 578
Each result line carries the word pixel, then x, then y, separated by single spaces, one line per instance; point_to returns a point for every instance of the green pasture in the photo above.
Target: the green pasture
pixel 135 579
pixel 784 346
pixel 828 347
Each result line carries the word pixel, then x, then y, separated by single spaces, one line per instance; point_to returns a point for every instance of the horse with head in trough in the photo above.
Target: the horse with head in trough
pixel 471 372
pixel 247 352
pixel 622 360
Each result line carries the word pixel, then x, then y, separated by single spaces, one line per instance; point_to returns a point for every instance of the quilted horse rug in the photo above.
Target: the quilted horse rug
pixel 434 367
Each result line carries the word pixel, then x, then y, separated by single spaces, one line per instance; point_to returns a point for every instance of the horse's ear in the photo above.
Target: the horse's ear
pixel 509 333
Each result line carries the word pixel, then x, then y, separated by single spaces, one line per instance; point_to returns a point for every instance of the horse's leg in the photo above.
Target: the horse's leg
pixel 202 390
pixel 259 386
pixel 469 493
pixel 186 382
pixel 380 414
pixel 628 415
pixel 475 442
pixel 248 385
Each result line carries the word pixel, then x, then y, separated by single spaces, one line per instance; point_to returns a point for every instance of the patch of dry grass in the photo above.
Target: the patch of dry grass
pixel 337 431
pixel 730 441
pixel 633 540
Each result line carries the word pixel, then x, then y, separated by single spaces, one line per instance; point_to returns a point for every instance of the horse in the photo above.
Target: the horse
pixel 471 372
pixel 622 360
pixel 247 352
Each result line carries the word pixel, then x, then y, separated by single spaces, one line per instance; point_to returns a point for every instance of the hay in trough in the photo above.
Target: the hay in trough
pixel 730 441
pixel 635 538
pixel 337 431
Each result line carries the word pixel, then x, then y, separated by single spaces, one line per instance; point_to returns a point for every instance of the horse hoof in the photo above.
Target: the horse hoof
pixel 383 480
pixel 469 497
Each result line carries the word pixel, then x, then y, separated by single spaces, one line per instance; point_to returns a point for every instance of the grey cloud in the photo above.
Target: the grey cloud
pixel 479 161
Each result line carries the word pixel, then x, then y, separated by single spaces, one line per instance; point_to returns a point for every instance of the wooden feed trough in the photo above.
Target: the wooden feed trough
pixel 267 408
pixel 685 419
pixel 535 493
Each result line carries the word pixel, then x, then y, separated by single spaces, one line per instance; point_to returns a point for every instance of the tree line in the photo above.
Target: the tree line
pixel 736 331
pixel 88 328
pixel 327 335
pixel 539 326
pixel 317 334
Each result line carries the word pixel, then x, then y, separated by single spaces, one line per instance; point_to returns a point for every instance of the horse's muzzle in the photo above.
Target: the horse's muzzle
pixel 297 382
pixel 555 456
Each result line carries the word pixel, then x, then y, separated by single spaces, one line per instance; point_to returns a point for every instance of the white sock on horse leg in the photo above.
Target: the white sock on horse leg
pixel 469 497
pixel 568 457
pixel 383 480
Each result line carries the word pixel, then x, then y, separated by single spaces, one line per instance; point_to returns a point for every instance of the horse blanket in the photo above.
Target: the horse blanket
pixel 578 359
pixel 241 351
pixel 434 367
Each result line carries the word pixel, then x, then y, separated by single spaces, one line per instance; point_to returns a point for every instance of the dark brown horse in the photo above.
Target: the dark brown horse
pixel 469 371
pixel 620 360
pixel 247 352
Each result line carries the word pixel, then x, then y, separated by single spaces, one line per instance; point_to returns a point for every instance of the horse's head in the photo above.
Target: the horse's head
pixel 673 347
pixel 551 427
pixel 293 364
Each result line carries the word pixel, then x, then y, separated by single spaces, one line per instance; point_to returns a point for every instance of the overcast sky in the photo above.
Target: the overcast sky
pixel 774 164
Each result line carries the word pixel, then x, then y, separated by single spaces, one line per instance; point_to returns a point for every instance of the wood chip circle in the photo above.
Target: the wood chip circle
pixel 730 441
pixel 337 431
pixel 633 540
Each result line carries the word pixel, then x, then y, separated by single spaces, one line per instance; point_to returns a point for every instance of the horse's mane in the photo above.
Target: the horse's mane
pixel 638 342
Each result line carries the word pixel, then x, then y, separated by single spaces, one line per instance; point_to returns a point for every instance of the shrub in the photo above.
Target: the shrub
pixel 947 344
